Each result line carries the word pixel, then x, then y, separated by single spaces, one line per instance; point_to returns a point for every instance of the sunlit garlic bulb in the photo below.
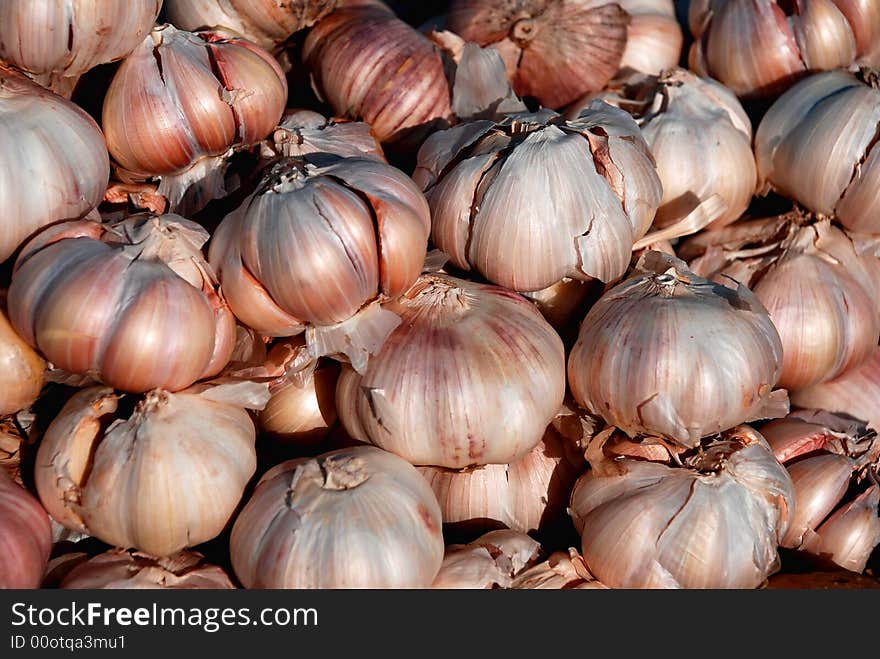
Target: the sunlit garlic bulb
pixel 554 51
pixel 712 522
pixel 669 353
pixel 55 165
pixel 133 304
pixel 825 454
pixel 818 290
pixel 56 41
pixel 653 36
pixel 837 115
pixel 856 392
pixel 701 140
pixel 25 536
pixel 181 98
pixel 266 22
pixel 530 494
pixel 536 198
pixel 369 65
pixel 315 243
pixel 160 477
pixel 119 569
pixel 493 560
pixel 471 376
pixel 758 48
pixel 353 518
pixel 21 370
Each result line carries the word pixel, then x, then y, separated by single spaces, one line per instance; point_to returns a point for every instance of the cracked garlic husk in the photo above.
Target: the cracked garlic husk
pixel 536 198
pixel 317 246
pixel 653 37
pixel 181 101
pixel 268 23
pixel 352 518
pixel 758 48
pixel 563 570
pixel 369 65
pixel 305 132
pixel 529 494
pixel 55 164
pixel 816 282
pixel 56 42
pixel 472 375
pixel 669 353
pixel 158 473
pixel 701 140
pixel 713 521
pixel 553 51
pixel 132 304
pixel 856 392
pixel 826 454
pixel 120 569
pixel 493 560
pixel 25 536
pixel 837 115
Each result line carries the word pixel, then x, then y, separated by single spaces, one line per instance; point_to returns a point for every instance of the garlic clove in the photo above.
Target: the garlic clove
pixel 820 483
pixel 864 19
pixel 850 535
pixel 653 37
pixel 823 35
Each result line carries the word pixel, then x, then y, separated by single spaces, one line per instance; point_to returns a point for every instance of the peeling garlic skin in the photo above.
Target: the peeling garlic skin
pixel 472 375
pixel 837 115
pixel 167 477
pixel 699 357
pixel 714 523
pixel 118 569
pixel 353 518
pixel 535 198
pixel 182 96
pixel 55 164
pixel 554 51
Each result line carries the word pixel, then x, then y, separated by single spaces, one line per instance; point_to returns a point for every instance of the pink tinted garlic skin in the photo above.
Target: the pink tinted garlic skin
pixel 25 536
pixel 118 569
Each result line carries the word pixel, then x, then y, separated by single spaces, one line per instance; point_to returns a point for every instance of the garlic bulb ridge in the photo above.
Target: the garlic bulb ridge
pixel 535 198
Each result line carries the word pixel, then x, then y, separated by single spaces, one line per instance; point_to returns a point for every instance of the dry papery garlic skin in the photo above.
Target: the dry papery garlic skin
pixel 699 357
pixel 353 518
pixel 25 536
pixel 119 569
pixel 535 198
pixel 472 375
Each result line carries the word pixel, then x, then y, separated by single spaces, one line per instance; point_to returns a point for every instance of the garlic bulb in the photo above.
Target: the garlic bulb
pixel 824 452
pixel 162 476
pixel 530 494
pixel 713 522
pixel 302 408
pixel 834 114
pixel 21 370
pixel 818 290
pixel 653 36
pixel 369 65
pixel 56 41
pixel 183 97
pixel 758 48
pixel 471 376
pixel 315 243
pixel 56 165
pixel 856 392
pixel 669 353
pixel 353 518
pixel 561 571
pixel 701 140
pixel 25 536
pixel 535 198
pixel 491 561
pixel 266 22
pixel 554 51
pixel 304 132
pixel 132 570
pixel 132 304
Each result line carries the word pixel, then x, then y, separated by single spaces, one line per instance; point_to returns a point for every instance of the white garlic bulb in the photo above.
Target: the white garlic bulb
pixel 713 522
pixel 471 376
pixel 352 518
pixel 535 198
pixel 669 353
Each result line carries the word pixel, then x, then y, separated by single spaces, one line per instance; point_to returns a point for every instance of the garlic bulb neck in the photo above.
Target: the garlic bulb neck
pixel 524 31
pixel 343 472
